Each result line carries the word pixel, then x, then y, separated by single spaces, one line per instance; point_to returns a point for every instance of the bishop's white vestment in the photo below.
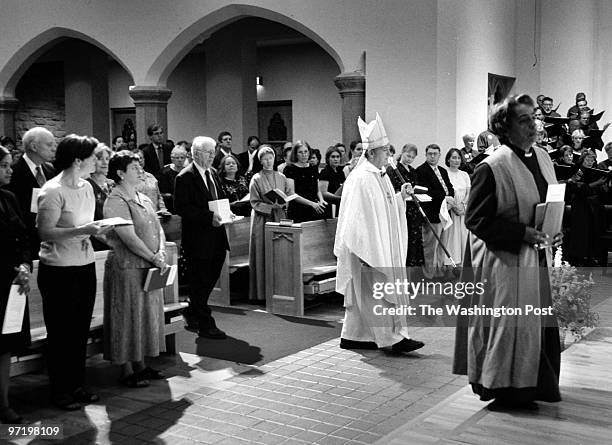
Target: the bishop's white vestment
pixel 371 246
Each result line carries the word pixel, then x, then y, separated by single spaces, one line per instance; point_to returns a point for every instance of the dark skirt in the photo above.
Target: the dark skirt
pixel 19 340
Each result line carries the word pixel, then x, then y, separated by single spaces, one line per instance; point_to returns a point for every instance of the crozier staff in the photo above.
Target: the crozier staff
pixel 372 237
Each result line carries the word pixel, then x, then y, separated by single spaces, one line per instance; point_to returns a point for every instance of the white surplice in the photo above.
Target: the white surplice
pixel 372 236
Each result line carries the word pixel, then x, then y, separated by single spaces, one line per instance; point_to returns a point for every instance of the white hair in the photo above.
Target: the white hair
pixel 578 133
pixel 201 143
pixel 179 149
pixel 33 135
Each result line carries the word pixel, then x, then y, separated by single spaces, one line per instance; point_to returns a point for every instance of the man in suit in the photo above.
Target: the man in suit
pixel 204 240
pixel 224 148
pixel 157 153
pixel 30 173
pixel 435 178
pixel 249 161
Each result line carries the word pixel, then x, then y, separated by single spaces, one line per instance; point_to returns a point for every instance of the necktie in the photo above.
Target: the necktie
pixel 160 156
pixel 211 185
pixel 40 177
pixel 439 175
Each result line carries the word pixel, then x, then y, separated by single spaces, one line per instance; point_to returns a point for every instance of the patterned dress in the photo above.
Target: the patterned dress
pixel 133 318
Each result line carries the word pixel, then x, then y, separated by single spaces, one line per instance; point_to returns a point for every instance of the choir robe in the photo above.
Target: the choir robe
pixel 510 358
pixel 371 245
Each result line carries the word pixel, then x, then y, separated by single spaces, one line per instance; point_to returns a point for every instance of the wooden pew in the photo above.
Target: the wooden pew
pixel 31 360
pixel 238 235
pixel 299 260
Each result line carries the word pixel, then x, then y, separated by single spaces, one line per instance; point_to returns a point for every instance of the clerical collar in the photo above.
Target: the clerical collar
pixel 520 152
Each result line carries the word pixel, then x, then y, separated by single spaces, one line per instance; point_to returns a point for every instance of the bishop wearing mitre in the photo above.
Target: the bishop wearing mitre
pixel 371 245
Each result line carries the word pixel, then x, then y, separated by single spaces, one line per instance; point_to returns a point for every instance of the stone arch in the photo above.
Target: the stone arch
pixel 22 59
pixel 201 29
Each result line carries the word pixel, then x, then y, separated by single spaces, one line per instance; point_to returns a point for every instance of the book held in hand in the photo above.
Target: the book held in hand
pixel 222 208
pixel 278 196
pixel 115 222
pixel 157 280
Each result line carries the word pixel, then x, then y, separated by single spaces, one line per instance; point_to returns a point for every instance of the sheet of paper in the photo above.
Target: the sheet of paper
pixel 555 193
pixel 15 308
pixel 172 275
pixel 34 201
pixel 421 197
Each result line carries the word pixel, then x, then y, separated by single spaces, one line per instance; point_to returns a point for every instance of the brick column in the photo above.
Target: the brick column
pixel 8 106
pixel 151 108
pixel 351 87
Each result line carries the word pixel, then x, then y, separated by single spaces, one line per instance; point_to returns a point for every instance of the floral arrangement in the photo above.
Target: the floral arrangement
pixel 571 296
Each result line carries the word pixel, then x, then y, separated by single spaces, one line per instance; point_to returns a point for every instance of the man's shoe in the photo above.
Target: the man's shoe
pixel 212 333
pixel 354 344
pixel 406 345
pixel 85 397
pixel 66 402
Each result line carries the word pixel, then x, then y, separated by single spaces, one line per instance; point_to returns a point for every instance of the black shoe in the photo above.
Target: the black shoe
pixel 212 333
pixel 354 344
pixel 66 402
pixel 507 405
pixel 85 397
pixel 406 345
pixel 7 415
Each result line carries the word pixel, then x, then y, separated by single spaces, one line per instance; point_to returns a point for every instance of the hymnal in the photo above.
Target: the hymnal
pixel 278 196
pixel 564 172
pixel 222 208
pixel 157 280
pixel 34 200
pixel 115 222
pixel 594 174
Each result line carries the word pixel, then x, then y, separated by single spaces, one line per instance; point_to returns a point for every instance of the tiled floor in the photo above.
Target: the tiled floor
pixel 321 395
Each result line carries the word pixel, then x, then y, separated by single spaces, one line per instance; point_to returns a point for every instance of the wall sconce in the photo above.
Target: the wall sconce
pixel 259 81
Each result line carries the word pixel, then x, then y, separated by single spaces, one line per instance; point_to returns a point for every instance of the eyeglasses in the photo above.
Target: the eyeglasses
pixel 158 133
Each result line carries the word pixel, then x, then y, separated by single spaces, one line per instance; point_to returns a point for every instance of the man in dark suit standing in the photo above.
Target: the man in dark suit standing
pixel 157 153
pixel 249 161
pixel 204 240
pixel 435 178
pixel 224 148
pixel 30 173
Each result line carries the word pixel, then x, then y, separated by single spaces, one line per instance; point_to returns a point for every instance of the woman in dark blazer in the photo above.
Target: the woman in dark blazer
pixel 14 269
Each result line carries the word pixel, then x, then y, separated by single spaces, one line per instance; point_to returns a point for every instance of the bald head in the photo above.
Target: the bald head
pixel 203 150
pixel 39 144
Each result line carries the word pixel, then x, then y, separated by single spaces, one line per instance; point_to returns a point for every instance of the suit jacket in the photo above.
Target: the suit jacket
pixel 427 178
pixel 218 156
pixel 200 239
pixel 22 183
pixel 152 161
pixel 243 158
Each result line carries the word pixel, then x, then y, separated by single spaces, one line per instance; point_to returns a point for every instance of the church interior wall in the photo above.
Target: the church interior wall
pixel 423 70
pixel 303 74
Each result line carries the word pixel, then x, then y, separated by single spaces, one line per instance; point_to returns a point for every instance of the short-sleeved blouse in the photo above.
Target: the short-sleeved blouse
pixel 335 178
pixel 77 207
pixel 305 180
pixel 146 226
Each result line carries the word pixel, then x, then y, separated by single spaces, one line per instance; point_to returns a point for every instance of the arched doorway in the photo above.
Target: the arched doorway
pixel 67 87
pixel 214 86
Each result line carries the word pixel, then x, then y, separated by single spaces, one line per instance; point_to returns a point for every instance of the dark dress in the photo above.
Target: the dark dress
pixel 413 216
pixel 335 179
pixel 15 251
pixel 306 185
pixel 235 190
pixel 100 193
pixel 587 222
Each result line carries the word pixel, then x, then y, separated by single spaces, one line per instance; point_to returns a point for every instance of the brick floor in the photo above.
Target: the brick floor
pixel 321 395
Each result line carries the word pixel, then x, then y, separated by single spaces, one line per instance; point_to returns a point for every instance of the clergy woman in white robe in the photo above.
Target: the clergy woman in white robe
pixel 514 360
pixel 264 210
pixel 371 245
